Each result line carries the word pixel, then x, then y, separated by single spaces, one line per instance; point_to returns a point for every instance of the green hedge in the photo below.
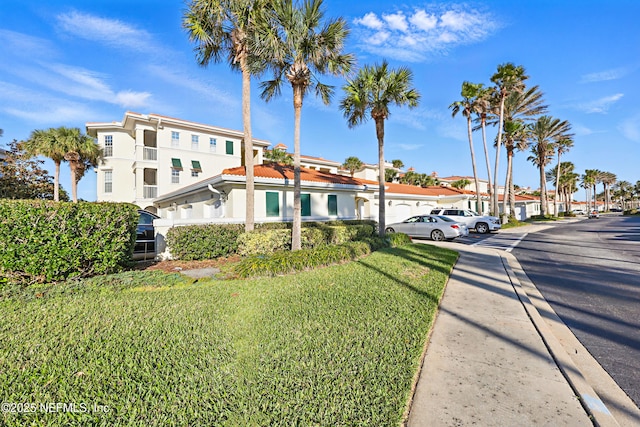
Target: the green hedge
pixel 197 242
pixel 266 241
pixel 44 241
pixel 283 262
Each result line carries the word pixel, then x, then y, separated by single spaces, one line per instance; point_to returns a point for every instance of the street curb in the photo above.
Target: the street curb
pixel 590 400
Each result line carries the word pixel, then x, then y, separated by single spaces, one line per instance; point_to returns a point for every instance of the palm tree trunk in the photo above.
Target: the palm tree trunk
pixel 486 155
pixel 499 143
pixel 555 200
pixel 296 230
pixel 507 187
pixel 248 145
pixel 512 193
pixel 74 181
pixel 473 165
pixel 543 191
pixel 381 199
pixel 56 183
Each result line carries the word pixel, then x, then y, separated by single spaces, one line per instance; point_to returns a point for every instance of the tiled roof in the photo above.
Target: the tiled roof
pixel 275 170
pixel 435 190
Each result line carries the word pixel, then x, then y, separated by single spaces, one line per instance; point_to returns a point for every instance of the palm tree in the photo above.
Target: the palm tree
pixel 370 94
pixel 223 28
pixel 278 156
pixel 607 179
pixel 352 164
pixel 509 78
pixel 297 45
pixel 461 183
pixel 565 181
pixel 468 106
pixel 520 107
pixel 45 143
pixel 562 146
pixel 589 179
pixel 397 163
pixel 543 134
pixel 82 153
pixel 484 101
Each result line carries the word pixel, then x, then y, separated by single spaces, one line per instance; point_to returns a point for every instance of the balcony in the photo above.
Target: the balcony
pixel 150 191
pixel 150 153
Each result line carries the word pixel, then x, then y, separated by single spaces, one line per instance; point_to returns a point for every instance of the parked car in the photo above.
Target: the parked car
pixel 481 223
pixel 145 247
pixel 594 214
pixel 430 226
pixel 578 211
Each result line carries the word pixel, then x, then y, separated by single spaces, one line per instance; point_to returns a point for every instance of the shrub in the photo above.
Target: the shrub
pixel 198 242
pixel 398 239
pixel 264 241
pixel 44 241
pixel 283 262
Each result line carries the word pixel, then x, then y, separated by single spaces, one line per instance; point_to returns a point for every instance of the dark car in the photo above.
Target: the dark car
pixel 145 237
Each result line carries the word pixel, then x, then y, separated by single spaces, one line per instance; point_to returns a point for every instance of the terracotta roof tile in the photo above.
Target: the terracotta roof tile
pixel 435 190
pixel 275 170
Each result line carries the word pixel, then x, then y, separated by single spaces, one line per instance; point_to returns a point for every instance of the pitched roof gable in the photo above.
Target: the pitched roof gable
pixel 280 171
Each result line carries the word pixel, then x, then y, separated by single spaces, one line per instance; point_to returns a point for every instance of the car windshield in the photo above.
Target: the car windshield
pixel 445 219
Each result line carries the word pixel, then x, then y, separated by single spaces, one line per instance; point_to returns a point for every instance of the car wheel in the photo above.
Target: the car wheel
pixel 437 235
pixel 389 230
pixel 482 228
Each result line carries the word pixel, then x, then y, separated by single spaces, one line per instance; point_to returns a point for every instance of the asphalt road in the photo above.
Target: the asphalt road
pixel 589 272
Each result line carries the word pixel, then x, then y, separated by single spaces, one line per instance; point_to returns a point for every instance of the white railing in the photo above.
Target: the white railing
pixel 150 153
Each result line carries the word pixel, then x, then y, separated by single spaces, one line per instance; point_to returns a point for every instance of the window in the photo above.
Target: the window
pixel 175 176
pixel 230 147
pixel 305 200
pixel 195 139
pixel 333 205
pixel 273 203
pixel 212 145
pixel 108 145
pixel 175 139
pixel 195 168
pixel 108 181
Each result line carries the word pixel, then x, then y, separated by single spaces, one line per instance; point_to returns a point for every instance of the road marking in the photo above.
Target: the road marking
pixel 517 242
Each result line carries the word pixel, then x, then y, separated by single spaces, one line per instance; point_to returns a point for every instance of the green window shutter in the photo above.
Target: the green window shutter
pixel 195 165
pixel 333 205
pixel 229 147
pixel 273 203
pixel 176 163
pixel 305 200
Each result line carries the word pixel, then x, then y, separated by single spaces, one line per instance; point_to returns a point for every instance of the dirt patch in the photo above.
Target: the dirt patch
pixel 178 265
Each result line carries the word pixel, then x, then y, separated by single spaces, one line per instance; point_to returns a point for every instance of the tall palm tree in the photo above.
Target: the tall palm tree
pixel 297 45
pixel 223 28
pixel 515 136
pixel 588 183
pixel 45 143
pixel 370 94
pixel 82 153
pixel 468 106
pixel 543 134
pixel 565 180
pixel 561 146
pixel 352 164
pixel 508 78
pixel 484 101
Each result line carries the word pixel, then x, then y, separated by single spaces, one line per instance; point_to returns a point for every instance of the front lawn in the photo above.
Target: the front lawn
pixel 335 346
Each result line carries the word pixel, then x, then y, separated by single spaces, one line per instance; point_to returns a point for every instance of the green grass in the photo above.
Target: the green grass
pixel 334 346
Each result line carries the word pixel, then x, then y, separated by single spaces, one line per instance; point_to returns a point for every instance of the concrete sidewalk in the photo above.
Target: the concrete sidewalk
pixel 492 360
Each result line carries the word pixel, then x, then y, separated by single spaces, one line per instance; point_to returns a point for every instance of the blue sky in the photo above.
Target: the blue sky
pixel 65 63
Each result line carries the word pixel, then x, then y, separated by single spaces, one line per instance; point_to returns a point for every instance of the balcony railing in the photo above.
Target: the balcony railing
pixel 150 153
pixel 150 191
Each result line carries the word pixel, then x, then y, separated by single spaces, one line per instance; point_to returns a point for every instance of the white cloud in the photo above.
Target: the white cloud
pixel 409 147
pixel 612 74
pixel 370 20
pixel 111 32
pixel 423 21
pixel 24 46
pixel 601 105
pixel 396 21
pixel 416 35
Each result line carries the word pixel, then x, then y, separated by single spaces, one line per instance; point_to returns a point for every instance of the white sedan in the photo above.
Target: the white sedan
pixel 434 227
